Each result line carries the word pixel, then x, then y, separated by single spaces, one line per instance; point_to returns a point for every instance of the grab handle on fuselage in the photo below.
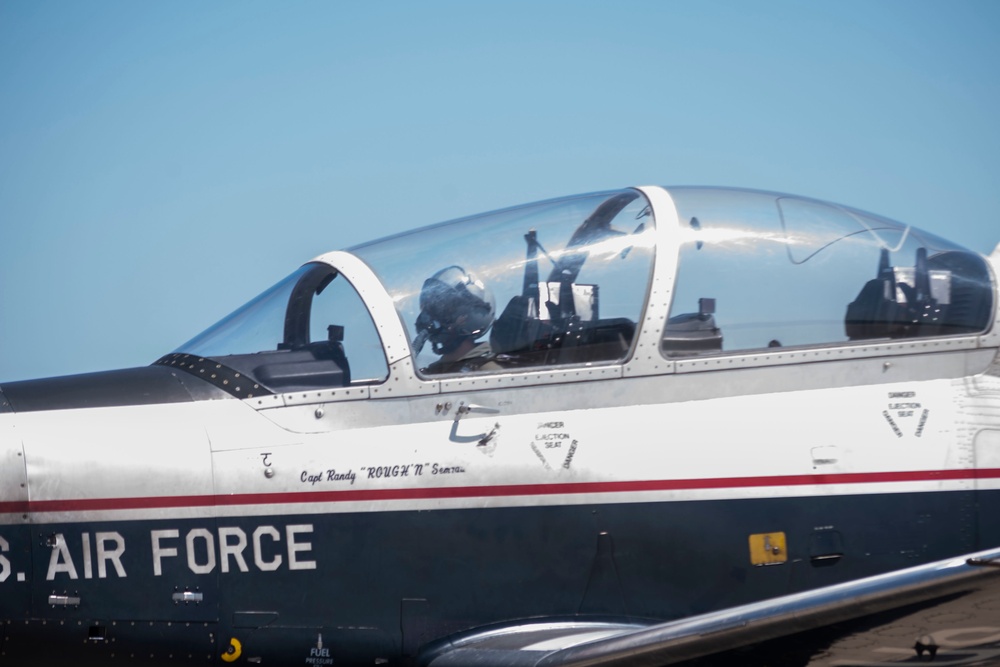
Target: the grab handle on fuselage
pixel 466 408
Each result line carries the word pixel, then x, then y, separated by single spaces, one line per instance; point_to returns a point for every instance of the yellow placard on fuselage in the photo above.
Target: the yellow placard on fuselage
pixel 768 549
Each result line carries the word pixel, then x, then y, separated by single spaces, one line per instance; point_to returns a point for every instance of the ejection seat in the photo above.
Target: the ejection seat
pixel 940 295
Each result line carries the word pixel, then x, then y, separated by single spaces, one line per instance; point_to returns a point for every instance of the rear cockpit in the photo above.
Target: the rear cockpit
pixel 587 280
pixel 761 270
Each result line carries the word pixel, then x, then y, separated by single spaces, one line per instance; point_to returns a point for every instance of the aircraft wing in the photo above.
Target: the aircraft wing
pixel 540 643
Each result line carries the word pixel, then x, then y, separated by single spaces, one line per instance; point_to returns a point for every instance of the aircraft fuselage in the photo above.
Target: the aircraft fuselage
pixel 283 507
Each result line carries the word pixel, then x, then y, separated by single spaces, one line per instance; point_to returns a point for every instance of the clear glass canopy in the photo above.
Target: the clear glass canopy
pixel 565 282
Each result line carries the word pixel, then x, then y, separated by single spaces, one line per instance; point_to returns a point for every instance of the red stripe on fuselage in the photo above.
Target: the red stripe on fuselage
pixel 425 493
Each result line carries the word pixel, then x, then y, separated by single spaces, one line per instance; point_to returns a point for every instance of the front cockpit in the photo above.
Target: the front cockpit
pixel 587 281
pixel 565 282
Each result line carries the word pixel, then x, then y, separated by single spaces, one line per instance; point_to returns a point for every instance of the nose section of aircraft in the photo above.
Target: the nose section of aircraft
pixel 13 478
pixel 15 549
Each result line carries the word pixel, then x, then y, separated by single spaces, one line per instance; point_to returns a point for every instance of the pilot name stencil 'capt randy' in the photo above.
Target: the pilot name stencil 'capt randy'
pixel 455 309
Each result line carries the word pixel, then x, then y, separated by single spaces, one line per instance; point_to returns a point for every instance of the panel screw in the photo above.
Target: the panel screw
pixel 269 472
pixel 319 413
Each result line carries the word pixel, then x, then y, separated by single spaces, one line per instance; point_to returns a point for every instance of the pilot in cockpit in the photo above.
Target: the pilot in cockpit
pixel 456 309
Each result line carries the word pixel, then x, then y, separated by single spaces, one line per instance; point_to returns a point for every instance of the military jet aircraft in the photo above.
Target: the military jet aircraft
pixel 631 427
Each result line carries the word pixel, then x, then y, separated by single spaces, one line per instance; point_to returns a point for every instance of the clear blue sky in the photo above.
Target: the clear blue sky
pixel 161 163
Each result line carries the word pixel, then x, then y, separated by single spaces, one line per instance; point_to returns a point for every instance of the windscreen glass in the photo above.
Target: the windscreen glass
pixel 311 330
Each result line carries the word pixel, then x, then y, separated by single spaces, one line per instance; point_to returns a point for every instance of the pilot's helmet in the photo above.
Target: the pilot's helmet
pixel 454 306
